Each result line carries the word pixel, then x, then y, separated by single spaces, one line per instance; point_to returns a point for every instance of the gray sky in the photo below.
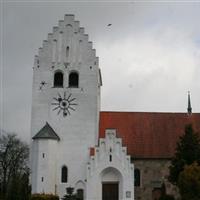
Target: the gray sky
pixel 149 57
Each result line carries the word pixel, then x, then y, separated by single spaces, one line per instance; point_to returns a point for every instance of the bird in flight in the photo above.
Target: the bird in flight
pixel 109 25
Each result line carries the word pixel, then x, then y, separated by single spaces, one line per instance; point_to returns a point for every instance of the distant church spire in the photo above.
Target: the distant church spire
pixel 189 109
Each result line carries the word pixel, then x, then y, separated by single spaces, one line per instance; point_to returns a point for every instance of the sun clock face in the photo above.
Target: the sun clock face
pixel 64 104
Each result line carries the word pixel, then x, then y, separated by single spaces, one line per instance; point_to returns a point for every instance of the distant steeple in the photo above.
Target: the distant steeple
pixel 189 109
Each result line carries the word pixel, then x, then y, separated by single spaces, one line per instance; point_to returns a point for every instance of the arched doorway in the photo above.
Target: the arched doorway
pixel 111 180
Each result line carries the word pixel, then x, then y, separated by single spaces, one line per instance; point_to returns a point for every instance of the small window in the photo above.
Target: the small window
pixel 69 25
pixel 137 177
pixel 64 174
pixel 110 158
pixel 67 52
pixel 73 79
pixel 58 79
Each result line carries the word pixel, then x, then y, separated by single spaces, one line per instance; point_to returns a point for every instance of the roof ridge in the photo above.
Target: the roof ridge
pixel 154 112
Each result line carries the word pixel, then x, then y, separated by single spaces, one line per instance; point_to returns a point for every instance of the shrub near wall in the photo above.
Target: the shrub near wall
pixel 44 197
pixel 167 197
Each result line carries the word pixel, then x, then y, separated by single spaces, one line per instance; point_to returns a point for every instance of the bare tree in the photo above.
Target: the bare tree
pixel 13 162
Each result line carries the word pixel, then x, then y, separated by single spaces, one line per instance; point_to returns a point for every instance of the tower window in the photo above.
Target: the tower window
pixel 137 177
pixel 64 174
pixel 67 52
pixel 73 79
pixel 58 79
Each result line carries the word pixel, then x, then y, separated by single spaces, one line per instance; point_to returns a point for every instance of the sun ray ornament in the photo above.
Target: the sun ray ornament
pixel 64 104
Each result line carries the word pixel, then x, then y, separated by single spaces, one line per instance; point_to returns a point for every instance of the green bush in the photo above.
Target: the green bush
pixel 189 182
pixel 44 197
pixel 167 197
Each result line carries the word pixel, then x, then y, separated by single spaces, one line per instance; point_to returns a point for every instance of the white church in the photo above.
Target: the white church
pixel 74 144
pixel 66 149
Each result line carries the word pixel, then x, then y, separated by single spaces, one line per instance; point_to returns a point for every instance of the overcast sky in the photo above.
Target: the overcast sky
pixel 149 57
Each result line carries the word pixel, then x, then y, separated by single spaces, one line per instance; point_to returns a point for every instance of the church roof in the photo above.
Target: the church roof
pixel 46 132
pixel 148 135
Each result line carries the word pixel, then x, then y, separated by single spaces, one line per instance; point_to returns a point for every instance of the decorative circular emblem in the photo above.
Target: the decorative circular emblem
pixel 64 104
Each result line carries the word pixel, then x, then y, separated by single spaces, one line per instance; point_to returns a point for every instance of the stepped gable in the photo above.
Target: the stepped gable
pixel 53 50
pixel 148 135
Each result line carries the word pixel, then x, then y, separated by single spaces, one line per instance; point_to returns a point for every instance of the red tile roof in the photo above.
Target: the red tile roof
pixel 148 135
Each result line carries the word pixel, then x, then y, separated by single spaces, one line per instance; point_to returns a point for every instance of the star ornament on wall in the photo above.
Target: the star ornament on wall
pixel 64 105
pixel 42 85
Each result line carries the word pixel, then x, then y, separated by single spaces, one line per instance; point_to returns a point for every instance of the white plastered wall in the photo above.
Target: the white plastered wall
pixel 79 130
pixel 101 168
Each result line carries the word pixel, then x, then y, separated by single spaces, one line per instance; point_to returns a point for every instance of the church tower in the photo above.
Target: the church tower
pixel 65 109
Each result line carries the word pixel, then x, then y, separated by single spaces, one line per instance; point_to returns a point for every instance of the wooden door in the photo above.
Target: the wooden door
pixel 110 191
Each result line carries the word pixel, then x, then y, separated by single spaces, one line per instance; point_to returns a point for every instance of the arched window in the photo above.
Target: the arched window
pixel 64 174
pixel 73 79
pixel 137 177
pixel 58 79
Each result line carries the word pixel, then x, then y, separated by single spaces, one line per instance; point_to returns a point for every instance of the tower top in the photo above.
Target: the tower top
pixel 189 108
pixel 67 45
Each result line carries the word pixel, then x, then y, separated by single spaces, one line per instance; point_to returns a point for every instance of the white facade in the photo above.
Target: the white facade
pixel 66 95
pixel 110 164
